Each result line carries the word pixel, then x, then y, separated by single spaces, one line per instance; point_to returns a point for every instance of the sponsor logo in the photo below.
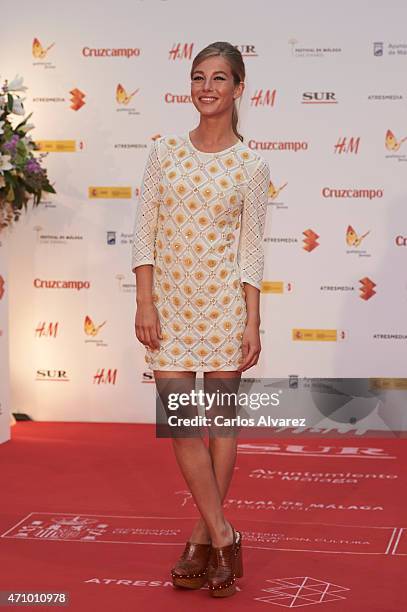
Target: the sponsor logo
pixel 381 97
pixel 92 331
pixel 281 239
pixel 334 192
pixel 354 240
pixel 148 377
pixel 345 145
pixel 310 242
pixel 111 238
pixel 128 52
pixel 383 336
pixel 77 99
pixel 299 50
pixel 170 98
pixel 60 284
pixel 319 477
pixel 123 99
pixel 130 145
pixel 112 193
pixel 273 194
pixel 401 240
pixel 91 528
pixel 52 375
pixel 90 328
pixel 58 146
pixel 285 505
pixel 310 450
pixel 263 98
pixel 393 144
pixel 337 288
pixel 181 51
pixel 247 50
pixel 125 287
pixel 105 376
pixel 367 288
pixel 318 335
pixel 38 51
pixel 319 97
pixel 46 330
pixel 278 145
pixel 391 49
pixel 378 49
pixel 276 287
pixel 49 99
pixel 47 238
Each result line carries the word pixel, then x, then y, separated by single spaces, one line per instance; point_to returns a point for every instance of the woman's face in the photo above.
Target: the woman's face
pixel 212 88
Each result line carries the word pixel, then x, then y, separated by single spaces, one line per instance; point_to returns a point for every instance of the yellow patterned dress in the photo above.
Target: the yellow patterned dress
pixel 191 208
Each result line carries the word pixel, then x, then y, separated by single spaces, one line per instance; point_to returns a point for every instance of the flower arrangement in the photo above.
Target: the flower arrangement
pixel 21 173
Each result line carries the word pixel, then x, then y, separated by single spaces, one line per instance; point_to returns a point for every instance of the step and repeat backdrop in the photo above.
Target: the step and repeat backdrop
pixel 325 104
pixel 5 406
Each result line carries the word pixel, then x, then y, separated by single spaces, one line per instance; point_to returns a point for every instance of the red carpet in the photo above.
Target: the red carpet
pixel 101 511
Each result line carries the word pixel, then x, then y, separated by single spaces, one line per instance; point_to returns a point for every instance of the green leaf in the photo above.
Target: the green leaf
pixel 10 194
pixel 37 198
pixel 21 148
pixel 48 188
pixel 9 102
pixel 10 178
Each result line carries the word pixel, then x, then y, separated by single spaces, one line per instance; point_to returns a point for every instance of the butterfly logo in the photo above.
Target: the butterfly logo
pixel 352 239
pixel 90 328
pixel 38 50
pixel 122 97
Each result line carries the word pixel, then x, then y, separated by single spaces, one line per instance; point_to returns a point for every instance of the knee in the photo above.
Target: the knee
pixel 185 443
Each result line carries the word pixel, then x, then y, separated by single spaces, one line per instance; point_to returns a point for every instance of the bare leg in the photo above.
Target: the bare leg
pixel 223 450
pixel 195 462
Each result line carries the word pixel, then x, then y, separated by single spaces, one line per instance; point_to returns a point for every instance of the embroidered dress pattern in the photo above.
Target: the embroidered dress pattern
pixel 191 208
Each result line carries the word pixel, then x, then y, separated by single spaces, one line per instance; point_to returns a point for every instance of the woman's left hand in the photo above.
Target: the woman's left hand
pixel 251 347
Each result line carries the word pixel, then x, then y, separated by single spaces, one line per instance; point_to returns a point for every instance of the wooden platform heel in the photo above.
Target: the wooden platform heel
pixel 190 571
pixel 225 565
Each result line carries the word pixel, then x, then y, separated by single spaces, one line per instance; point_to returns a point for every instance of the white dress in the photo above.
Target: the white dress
pixel 191 207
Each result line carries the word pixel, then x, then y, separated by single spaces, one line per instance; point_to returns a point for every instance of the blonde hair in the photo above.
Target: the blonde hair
pixel 237 67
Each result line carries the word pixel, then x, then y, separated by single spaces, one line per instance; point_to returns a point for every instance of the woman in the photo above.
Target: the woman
pixel 198 296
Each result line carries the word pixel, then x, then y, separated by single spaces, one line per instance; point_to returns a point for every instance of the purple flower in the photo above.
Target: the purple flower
pixel 11 145
pixel 33 166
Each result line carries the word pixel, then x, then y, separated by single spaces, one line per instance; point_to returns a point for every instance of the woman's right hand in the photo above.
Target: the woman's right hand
pixel 147 325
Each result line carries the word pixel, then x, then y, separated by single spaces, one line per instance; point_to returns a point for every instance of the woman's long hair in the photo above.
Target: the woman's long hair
pixel 237 67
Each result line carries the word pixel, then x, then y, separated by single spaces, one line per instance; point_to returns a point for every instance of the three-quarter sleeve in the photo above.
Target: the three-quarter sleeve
pixel 250 254
pixel 145 226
